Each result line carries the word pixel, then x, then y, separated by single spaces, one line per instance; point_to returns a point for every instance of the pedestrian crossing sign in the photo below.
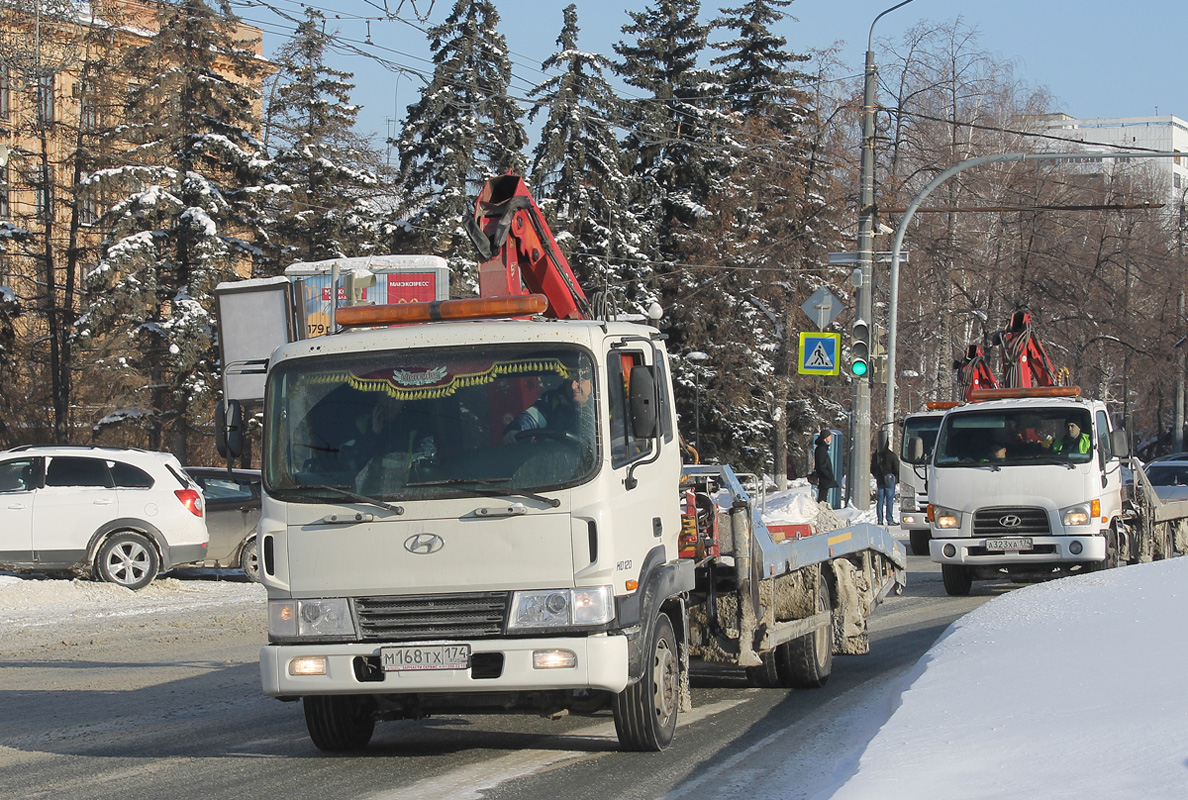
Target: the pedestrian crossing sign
pixel 819 354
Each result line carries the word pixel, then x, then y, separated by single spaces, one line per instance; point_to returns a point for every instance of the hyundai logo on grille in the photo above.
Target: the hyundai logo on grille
pixel 424 544
pixel 1010 521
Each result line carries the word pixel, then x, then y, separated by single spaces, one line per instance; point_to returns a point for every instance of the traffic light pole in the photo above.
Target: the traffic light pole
pixel 859 473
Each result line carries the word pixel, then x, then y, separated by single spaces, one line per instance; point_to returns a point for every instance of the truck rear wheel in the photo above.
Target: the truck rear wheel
pixel 646 711
pixel 767 674
pixel 807 662
pixel 957 578
pixel 919 541
pixel 338 723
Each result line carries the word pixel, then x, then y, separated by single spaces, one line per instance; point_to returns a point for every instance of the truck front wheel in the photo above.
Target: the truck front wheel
pixel 957 578
pixel 338 723
pixel 919 541
pixel 646 711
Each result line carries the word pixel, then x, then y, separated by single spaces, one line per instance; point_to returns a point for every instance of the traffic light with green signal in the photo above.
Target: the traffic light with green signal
pixel 860 348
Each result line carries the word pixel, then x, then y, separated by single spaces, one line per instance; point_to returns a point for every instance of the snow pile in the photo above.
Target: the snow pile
pixel 31 604
pixel 1072 688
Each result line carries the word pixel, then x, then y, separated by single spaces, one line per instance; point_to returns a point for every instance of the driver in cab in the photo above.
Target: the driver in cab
pixel 566 409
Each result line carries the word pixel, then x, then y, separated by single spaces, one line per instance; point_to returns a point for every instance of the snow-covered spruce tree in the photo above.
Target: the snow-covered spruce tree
pixel 188 217
pixel 330 174
pixel 578 176
pixel 768 232
pixel 675 144
pixel 760 76
pixel 464 129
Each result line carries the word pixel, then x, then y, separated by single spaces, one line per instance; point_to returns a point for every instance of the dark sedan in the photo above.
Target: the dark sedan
pixel 232 511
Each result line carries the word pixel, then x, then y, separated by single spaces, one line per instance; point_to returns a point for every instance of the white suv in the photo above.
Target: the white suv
pixel 114 514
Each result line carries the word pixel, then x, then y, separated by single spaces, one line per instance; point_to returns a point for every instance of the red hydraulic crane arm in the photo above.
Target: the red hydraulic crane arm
pixel 1025 362
pixel 973 372
pixel 518 250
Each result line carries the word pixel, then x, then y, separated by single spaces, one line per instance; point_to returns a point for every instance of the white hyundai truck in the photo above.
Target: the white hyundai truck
pixel 475 506
pixel 1029 484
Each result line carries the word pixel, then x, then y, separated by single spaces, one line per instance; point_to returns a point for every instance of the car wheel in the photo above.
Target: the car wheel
pixel 249 559
pixel 338 723
pixel 129 560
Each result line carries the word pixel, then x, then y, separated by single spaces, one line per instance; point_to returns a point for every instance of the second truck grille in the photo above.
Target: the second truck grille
pixel 997 521
pixel 440 616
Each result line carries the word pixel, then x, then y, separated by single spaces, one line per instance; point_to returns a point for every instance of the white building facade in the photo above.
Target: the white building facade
pixel 1164 134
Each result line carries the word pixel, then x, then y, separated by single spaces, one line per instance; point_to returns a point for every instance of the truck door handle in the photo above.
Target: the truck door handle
pixel 105 501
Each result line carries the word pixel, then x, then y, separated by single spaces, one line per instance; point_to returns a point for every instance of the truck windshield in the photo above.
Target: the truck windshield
pixel 1024 436
pixel 427 424
pixel 922 428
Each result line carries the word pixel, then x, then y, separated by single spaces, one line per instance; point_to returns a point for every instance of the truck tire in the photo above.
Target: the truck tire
pixel 128 559
pixel 807 662
pixel 957 579
pixel 767 674
pixel 646 711
pixel 338 723
pixel 919 541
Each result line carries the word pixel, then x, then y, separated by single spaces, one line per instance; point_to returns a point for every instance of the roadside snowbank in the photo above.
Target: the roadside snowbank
pixel 1072 688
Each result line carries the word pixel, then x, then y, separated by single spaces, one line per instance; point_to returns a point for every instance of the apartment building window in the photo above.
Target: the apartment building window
pixel 45 99
pixel 89 208
pixel 5 92
pixel 43 191
pixel 4 211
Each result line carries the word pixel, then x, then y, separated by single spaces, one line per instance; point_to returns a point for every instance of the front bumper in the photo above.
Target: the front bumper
pixel 601 664
pixel 972 551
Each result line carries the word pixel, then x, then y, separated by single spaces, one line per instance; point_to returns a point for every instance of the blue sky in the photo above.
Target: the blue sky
pixel 1098 59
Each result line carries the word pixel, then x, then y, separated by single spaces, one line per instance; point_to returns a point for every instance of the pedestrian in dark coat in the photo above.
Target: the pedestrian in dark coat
pixel 884 465
pixel 823 466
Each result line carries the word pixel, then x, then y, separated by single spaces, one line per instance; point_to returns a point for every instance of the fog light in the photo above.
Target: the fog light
pixel 308 665
pixel 554 659
pixel 949 551
pixel 1075 547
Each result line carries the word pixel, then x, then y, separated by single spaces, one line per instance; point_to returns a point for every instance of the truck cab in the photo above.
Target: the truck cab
pixel 913 486
pixel 473 515
pixel 1025 487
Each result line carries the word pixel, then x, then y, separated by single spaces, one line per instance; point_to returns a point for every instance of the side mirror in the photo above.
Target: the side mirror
pixel 643 403
pixel 915 450
pixel 229 429
pixel 1120 443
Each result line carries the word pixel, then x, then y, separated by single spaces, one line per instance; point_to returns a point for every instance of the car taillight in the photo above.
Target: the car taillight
pixel 191 500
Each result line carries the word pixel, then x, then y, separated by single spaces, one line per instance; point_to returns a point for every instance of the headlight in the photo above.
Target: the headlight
pixel 945 518
pixel 1075 516
pixel 314 619
pixel 560 608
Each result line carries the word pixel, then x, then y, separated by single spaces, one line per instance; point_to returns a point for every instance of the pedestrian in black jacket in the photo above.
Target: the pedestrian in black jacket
pixel 823 466
pixel 884 465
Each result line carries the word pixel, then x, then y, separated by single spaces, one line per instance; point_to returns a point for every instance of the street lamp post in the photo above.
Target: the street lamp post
pixel 865 307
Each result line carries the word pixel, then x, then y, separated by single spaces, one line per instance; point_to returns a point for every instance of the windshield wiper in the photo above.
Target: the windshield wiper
pixel 342 491
pixel 493 489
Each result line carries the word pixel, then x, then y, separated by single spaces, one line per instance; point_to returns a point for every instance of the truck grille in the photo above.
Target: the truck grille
pixel 438 616
pixel 996 521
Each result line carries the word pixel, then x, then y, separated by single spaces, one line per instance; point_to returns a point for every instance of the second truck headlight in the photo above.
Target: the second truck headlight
pixel 945 518
pixel 559 608
pixel 1074 516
